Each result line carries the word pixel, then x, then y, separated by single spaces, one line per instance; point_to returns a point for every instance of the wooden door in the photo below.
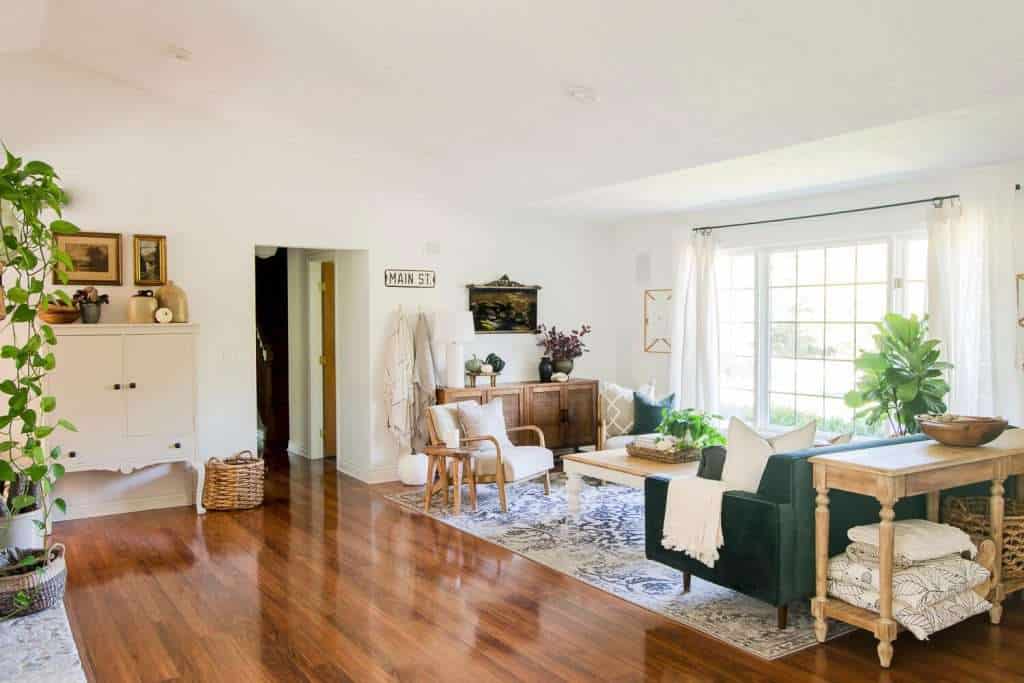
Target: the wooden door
pixel 158 390
pixel 88 384
pixel 545 411
pixel 512 405
pixel 327 359
pixel 580 405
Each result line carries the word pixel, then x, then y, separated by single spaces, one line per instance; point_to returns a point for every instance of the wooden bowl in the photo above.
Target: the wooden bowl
pixel 964 430
pixel 59 315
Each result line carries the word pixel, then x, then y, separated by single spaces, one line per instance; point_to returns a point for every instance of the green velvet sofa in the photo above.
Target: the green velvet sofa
pixel 769 535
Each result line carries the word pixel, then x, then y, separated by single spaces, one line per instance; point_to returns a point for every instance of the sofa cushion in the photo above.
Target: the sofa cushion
pixel 520 461
pixel 487 419
pixel 624 440
pixel 749 452
pixel 617 407
pixel 647 412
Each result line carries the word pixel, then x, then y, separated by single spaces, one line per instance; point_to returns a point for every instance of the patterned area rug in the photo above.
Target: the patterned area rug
pixel 39 648
pixel 605 548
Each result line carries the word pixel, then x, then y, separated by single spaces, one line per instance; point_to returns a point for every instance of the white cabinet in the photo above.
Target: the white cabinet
pixel 130 390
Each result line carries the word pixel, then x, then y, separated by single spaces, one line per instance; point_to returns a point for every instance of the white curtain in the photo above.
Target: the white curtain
pixel 694 369
pixel 960 302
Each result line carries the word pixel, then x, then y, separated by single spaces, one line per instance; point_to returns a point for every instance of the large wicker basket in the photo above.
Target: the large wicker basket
pixel 234 483
pixel 668 457
pixel 972 515
pixel 43 586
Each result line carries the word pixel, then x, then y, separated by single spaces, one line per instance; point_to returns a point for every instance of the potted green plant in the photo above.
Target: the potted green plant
pixel 89 301
pixel 689 429
pixel 903 378
pixel 31 202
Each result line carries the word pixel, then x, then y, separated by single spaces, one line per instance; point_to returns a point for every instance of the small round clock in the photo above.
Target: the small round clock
pixel 163 315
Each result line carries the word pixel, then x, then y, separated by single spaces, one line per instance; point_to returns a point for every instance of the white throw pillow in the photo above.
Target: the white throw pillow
pixel 484 420
pixel 748 452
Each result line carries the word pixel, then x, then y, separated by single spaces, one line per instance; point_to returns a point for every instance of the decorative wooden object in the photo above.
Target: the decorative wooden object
pixel 964 430
pixel 657 320
pixel 437 468
pixel 131 391
pixel 890 473
pixel 672 457
pixel 471 378
pixel 566 413
pixel 59 315
pixel 234 483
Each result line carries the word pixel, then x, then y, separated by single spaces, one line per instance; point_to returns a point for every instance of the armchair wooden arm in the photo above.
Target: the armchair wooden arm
pixel 530 428
pixel 484 437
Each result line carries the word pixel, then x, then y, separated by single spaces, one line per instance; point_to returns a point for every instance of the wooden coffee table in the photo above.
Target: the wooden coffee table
pixel 618 467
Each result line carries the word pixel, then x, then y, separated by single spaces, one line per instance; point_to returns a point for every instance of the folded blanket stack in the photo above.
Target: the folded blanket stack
pixel 932 578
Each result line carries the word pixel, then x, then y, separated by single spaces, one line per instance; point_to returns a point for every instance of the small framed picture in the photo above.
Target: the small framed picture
pixel 150 259
pixel 95 258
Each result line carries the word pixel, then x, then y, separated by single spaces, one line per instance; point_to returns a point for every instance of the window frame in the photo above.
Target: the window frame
pixel 895 302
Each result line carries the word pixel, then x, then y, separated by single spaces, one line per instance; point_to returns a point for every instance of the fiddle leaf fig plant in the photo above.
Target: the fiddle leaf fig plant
pixel 31 201
pixel 903 378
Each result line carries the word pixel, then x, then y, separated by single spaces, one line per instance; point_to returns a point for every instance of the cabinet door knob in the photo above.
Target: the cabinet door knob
pixel 72 454
pixel 131 385
pixel 117 387
pixel 176 444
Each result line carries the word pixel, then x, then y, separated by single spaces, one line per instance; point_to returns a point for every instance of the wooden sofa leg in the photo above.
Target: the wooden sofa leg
pixel 783 616
pixel 686 582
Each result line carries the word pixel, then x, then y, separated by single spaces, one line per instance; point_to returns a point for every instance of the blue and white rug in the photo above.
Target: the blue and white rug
pixel 605 548
pixel 39 648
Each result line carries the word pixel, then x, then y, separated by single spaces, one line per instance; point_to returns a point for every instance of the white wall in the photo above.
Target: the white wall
pixel 133 163
pixel 658 238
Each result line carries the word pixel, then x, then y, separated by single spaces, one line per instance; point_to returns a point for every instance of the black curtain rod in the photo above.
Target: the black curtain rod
pixel 933 200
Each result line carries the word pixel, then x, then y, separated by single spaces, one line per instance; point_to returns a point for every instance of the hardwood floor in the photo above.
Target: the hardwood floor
pixel 328 581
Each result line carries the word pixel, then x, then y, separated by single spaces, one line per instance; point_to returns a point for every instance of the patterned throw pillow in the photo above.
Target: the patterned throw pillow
pixel 920 585
pixel 616 409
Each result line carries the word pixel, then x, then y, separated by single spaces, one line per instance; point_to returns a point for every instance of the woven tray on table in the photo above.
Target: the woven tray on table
pixel 972 515
pixel 234 483
pixel 668 457
pixel 43 585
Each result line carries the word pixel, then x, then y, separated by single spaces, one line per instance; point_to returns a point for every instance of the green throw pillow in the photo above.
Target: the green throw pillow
pixel 647 412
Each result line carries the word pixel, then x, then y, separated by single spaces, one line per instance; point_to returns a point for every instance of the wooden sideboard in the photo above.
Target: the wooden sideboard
pixel 565 411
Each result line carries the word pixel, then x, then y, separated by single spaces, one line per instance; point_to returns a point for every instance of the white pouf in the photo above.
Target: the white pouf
pixel 412 469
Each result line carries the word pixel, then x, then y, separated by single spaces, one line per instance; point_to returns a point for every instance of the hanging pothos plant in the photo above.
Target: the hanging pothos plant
pixel 29 255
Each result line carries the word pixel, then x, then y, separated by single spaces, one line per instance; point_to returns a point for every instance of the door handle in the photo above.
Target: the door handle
pixel 131 385
pixel 72 454
pixel 117 387
pixel 176 444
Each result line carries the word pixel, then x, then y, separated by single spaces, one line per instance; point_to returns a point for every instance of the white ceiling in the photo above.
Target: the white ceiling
pixel 466 99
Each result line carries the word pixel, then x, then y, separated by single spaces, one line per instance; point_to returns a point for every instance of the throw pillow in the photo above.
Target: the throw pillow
pixel 918 539
pixel 616 409
pixel 647 412
pixel 484 420
pixel 749 452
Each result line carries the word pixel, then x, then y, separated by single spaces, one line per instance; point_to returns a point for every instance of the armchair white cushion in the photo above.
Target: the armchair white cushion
pixel 484 420
pixel 520 462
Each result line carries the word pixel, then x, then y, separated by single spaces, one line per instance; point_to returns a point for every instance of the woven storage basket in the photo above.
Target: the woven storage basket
pixel 44 586
pixel 971 514
pixel 668 457
pixel 234 483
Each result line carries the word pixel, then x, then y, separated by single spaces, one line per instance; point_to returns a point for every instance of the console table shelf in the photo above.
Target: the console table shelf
pixel 898 471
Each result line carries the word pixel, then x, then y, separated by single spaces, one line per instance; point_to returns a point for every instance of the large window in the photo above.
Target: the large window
pixel 793 321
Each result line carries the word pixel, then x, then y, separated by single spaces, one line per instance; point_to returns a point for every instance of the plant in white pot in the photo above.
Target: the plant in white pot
pixel 30 578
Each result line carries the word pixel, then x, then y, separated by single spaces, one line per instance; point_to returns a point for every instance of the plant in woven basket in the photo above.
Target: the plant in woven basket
pixel 31 200
pixel 903 378
pixel 690 429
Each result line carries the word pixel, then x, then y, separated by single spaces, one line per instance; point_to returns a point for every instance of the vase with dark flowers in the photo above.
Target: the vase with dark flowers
pixel 546 369
pixel 89 301
pixel 562 347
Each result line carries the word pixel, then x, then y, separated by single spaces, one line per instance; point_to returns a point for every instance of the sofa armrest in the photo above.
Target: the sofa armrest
pixel 712 462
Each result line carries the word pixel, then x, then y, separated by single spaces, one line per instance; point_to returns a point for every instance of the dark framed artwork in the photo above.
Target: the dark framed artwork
pixel 95 258
pixel 504 306
pixel 149 254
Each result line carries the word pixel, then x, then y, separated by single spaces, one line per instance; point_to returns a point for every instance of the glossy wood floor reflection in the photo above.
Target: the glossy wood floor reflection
pixel 330 582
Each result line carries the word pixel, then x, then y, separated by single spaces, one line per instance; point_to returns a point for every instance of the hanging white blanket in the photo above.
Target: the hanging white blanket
pixel 693 518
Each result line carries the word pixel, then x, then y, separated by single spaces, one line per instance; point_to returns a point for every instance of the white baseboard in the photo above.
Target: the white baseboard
pixel 297 448
pixel 123 505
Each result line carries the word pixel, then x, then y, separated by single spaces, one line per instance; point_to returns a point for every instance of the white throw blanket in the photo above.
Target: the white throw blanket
pixel 918 540
pixel 693 517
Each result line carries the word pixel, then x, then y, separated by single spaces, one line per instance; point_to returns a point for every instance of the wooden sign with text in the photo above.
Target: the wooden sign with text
pixel 405 277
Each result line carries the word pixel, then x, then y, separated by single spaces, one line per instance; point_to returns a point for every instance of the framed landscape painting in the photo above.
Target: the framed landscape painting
pixel 504 306
pixel 95 258
pixel 150 258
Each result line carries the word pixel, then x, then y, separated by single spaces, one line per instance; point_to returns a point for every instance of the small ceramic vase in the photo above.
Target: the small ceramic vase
pixel 141 307
pixel 90 312
pixel 173 297
pixel 564 366
pixel 545 369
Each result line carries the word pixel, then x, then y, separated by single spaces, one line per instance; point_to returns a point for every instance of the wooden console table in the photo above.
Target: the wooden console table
pixel 892 472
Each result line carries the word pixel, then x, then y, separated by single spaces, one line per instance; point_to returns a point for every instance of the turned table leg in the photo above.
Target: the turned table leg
pixel 886 628
pixel 820 562
pixel 933 498
pixel 996 509
pixel 457 483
